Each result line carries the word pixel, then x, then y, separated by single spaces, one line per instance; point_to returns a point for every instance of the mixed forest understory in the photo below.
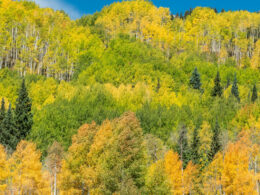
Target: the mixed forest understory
pixel 129 100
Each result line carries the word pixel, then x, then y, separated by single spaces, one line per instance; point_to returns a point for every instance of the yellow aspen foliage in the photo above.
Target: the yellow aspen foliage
pixel 53 163
pixel 157 181
pixel 234 171
pixel 4 170
pixel 141 19
pixel 180 181
pixel 174 170
pixel 245 117
pixel 255 160
pixel 212 176
pixel 101 157
pixel 26 170
pixel 71 177
pixel 255 61
pixel 42 92
pixel 66 90
pixel 190 178
pixel 236 176
pixel 129 97
pixel 205 135
pixel 167 97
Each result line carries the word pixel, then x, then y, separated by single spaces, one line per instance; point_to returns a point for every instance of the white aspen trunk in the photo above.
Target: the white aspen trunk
pixel 257 182
pixel 55 180
pixel 182 181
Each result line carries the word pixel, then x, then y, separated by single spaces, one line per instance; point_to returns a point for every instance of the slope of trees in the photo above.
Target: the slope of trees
pixel 48 43
pixel 112 158
pixel 129 100
pixel 40 41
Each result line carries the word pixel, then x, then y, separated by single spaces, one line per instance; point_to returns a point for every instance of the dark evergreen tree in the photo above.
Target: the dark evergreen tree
pixel 215 142
pixel 2 110
pixel 9 130
pixel 23 115
pixel 228 82
pixel 254 94
pixel 172 16
pixel 158 85
pixel 195 147
pixel 222 10
pixel 217 90
pixel 186 14
pixel 183 147
pixel 234 89
pixel 195 79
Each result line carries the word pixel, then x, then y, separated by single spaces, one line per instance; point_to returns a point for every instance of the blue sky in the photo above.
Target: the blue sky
pixel 76 8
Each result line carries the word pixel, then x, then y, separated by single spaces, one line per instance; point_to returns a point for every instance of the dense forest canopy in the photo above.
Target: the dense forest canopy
pixel 129 100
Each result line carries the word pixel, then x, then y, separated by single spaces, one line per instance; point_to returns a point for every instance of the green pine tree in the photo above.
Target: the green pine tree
pixel 215 142
pixel 23 115
pixel 183 147
pixel 2 110
pixel 234 89
pixel 228 82
pixel 9 130
pixel 158 85
pixel 254 94
pixel 217 90
pixel 195 147
pixel 195 79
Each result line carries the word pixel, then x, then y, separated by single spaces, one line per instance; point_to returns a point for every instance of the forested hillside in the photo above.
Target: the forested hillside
pixel 129 100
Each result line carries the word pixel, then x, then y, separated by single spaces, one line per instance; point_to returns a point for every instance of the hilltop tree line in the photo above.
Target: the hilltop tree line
pixel 47 42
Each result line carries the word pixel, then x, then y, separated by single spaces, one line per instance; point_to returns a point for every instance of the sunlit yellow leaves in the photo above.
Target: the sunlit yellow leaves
pixel 99 155
pixel 236 176
pixel 190 178
pixel 174 170
pixel 43 92
pixel 168 175
pixel 212 177
pixel 140 19
pixel 234 170
pixel 255 61
pixel 4 169
pixel 156 179
pixel 205 135
pixel 43 41
pixel 26 170
pixel 131 97
pixel 71 174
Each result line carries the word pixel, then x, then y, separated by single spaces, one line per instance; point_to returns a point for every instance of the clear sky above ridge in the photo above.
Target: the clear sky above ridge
pixel 77 8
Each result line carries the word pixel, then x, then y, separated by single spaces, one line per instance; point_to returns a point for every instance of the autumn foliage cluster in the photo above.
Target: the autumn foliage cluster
pixel 114 158
pixel 129 100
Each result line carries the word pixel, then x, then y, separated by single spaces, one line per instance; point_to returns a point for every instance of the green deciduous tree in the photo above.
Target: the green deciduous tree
pixel 156 181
